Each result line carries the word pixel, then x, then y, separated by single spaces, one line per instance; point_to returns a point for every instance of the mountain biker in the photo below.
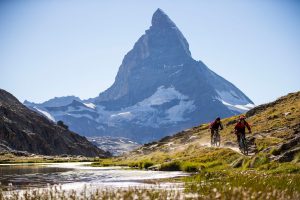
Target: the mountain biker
pixel 214 126
pixel 240 128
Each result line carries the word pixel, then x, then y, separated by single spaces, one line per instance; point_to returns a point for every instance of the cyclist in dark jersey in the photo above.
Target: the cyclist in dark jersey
pixel 214 126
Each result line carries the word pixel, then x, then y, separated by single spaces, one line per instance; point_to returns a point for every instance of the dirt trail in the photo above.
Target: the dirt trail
pixel 205 142
pixel 232 148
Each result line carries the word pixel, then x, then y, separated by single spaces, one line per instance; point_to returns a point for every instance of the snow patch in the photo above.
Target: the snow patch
pixel 46 114
pixel 238 107
pixel 176 113
pixel 174 73
pixel 122 114
pixel 90 105
pixel 161 96
pixel 172 66
pixel 81 116
pixel 232 98
pixel 249 105
pixel 144 112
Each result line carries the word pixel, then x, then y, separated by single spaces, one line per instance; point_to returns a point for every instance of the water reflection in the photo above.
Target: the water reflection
pixel 75 176
pixel 29 175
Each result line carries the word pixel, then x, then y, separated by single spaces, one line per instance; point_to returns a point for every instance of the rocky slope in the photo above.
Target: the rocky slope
pixel 275 137
pixel 159 90
pixel 23 130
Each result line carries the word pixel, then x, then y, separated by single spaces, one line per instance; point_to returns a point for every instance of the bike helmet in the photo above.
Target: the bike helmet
pixel 218 119
pixel 242 117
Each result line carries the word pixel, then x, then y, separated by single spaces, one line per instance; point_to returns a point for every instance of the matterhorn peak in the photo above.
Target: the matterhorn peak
pixel 161 19
pixel 159 89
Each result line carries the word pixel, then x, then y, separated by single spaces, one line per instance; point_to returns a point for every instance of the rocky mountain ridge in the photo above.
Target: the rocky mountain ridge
pixel 23 130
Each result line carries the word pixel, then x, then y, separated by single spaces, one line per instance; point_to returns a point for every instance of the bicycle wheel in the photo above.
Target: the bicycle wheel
pixel 218 140
pixel 214 139
pixel 245 147
pixel 241 145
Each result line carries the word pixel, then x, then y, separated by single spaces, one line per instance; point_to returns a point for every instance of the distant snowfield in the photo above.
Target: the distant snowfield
pixel 143 113
pixel 146 112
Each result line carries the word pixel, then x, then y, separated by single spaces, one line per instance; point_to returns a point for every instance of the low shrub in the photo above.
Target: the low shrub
pixel 269 166
pixel 190 167
pixel 214 164
pixel 147 164
pixel 275 151
pixel 297 158
pixel 99 164
pixel 263 143
pixel 133 164
pixel 171 166
pixel 258 160
pixel 285 168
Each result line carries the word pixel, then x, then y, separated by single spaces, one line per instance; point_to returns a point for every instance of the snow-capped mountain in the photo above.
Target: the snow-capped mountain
pixel 159 90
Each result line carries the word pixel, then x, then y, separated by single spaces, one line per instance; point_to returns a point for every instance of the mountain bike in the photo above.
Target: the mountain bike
pixel 243 144
pixel 216 138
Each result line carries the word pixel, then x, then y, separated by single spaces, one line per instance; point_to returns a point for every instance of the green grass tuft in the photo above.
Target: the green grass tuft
pixel 171 166
pixel 191 167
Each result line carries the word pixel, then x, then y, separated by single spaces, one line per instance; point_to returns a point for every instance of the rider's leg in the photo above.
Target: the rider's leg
pixel 238 135
pixel 243 135
pixel 211 135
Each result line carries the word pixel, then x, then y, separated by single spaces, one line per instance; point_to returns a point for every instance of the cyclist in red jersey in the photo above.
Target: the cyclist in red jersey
pixel 240 128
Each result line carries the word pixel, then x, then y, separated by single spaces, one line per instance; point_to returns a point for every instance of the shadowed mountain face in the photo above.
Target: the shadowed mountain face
pixel 22 129
pixel 159 90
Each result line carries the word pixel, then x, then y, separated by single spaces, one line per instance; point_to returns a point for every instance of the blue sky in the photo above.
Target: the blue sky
pixel 58 48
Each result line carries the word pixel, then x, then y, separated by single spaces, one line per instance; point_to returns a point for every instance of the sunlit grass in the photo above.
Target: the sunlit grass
pixel 244 185
pixel 106 193
pixel 205 185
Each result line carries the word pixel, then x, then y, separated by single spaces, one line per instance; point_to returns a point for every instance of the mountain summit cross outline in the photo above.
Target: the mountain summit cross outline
pixel 159 90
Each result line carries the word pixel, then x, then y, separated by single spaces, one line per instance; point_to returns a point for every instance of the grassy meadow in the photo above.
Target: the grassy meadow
pixel 215 173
